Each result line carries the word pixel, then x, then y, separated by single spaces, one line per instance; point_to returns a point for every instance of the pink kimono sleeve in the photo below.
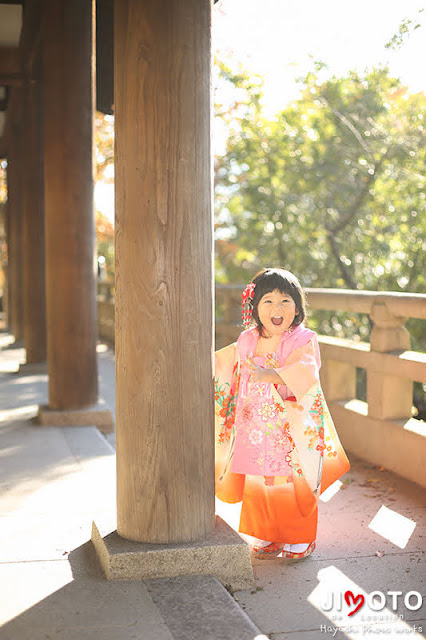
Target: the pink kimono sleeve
pixel 229 485
pixel 301 369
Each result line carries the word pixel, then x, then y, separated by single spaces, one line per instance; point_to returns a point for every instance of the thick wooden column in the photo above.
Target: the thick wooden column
pixel 34 296
pixel 9 226
pixel 15 169
pixel 164 283
pixel 68 189
pixel 4 266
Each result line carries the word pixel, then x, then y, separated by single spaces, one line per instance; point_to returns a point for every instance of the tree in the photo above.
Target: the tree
pixel 105 243
pixel 104 145
pixel 331 188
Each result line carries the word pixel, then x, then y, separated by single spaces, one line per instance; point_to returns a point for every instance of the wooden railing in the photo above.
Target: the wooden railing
pixel 380 429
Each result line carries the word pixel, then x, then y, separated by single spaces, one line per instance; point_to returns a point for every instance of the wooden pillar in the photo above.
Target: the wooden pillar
pixel 34 296
pixel 164 283
pixel 15 177
pixel 4 265
pixel 68 189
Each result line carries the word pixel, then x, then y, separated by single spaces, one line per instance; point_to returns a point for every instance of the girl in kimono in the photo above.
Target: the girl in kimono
pixel 276 445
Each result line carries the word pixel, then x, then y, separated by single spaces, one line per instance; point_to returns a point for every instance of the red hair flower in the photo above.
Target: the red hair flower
pixel 246 301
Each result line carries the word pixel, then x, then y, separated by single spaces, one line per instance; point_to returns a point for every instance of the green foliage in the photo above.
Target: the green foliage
pixel 405 29
pixel 331 188
pixel 104 147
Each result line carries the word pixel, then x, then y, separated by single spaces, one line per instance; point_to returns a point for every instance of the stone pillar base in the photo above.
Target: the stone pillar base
pixel 97 415
pixel 223 554
pixel 33 368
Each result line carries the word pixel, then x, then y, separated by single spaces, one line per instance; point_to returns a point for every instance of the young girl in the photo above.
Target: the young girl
pixel 276 445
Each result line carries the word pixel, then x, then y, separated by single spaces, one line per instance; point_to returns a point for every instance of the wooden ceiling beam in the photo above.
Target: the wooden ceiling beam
pixel 12 79
pixel 10 62
pixel 30 41
pixel 13 114
pixel 3 147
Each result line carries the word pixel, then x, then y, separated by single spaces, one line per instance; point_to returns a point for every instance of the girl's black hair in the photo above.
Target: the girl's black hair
pixel 268 280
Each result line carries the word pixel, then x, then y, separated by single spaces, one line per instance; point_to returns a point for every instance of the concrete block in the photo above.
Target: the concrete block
pixel 98 415
pixel 224 555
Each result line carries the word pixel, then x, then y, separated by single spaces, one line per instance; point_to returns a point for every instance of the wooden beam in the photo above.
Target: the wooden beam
pixel 30 41
pixel 3 147
pixel 10 61
pixel 12 79
pixel 17 62
pixel 13 114
pixel 3 100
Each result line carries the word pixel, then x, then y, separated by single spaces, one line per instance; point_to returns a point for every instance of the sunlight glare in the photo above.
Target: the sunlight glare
pixel 10 366
pixel 331 491
pixel 229 512
pixel 29 411
pixel 393 526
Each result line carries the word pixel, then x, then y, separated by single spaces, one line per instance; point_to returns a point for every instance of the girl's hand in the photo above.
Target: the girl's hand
pixel 256 373
pixel 261 375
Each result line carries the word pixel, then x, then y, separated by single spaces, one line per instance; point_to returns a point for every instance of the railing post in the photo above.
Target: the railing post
pixel 338 380
pixel 388 396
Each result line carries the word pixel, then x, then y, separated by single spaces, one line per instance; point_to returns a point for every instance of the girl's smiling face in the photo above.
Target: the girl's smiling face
pixel 276 312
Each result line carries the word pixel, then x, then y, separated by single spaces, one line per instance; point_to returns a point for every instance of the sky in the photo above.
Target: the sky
pixel 276 37
pixel 279 38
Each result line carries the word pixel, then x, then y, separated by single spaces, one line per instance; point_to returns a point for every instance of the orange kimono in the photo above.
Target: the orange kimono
pixel 277 448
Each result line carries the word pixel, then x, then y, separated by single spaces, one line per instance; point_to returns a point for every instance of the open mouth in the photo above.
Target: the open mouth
pixel 277 321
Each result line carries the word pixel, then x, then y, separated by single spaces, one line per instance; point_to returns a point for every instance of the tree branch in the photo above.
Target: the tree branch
pixel 356 205
pixel 344 271
pixel 347 124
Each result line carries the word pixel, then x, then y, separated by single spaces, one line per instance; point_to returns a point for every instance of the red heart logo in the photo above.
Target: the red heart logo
pixel 348 596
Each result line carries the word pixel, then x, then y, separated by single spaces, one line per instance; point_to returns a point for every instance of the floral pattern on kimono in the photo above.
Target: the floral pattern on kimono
pixel 263 443
pixel 281 432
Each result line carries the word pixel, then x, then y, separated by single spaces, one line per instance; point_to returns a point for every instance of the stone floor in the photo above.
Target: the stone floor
pixel 55 481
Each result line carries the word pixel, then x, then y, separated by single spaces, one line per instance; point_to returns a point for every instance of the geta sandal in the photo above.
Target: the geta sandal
pixel 291 555
pixel 270 551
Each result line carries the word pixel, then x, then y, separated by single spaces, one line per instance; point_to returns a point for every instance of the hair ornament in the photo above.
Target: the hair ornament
pixel 246 301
